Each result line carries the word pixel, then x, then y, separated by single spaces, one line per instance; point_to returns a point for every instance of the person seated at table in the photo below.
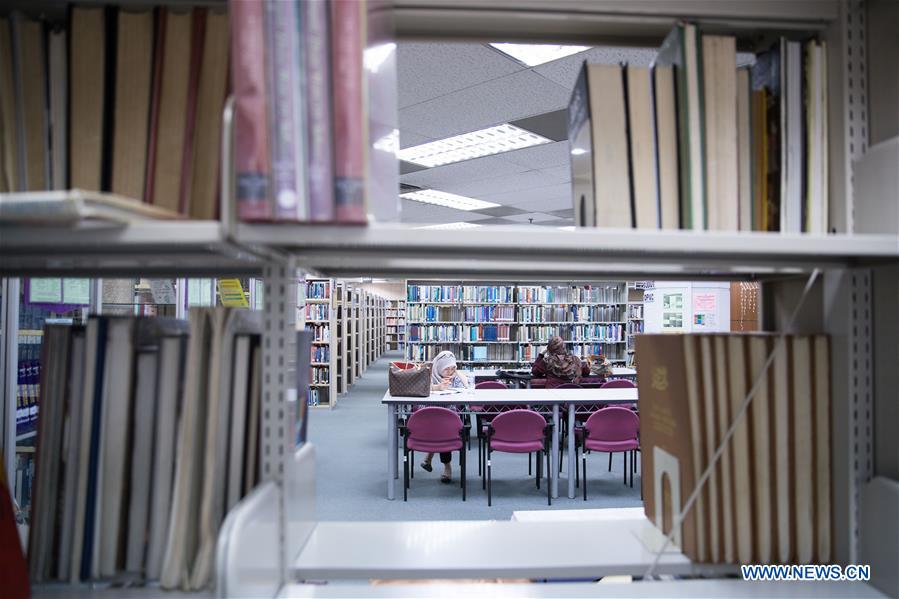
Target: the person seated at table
pixel 444 375
pixel 558 365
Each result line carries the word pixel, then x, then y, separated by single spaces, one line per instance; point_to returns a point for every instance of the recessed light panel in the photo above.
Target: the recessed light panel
pixel 486 142
pixel 448 200
pixel 452 226
pixel 534 54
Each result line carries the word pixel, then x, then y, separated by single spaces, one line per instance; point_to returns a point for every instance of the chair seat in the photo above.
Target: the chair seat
pixel 516 446
pixel 434 446
pixel 600 445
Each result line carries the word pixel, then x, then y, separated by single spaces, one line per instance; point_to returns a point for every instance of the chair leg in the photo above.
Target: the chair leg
pixel 633 461
pixel 479 455
pixel 539 467
pixel 624 472
pixel 577 469
pixel 463 460
pixel 632 468
pixel 405 475
pixel 489 469
pixel 412 461
pixel 484 456
pixel 610 461
pixel 549 475
pixel 584 462
pixel 529 464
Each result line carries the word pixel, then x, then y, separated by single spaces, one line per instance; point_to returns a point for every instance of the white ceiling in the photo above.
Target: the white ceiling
pixel 450 88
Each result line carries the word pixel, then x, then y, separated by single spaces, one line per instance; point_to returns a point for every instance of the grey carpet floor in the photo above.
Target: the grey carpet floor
pixel 351 465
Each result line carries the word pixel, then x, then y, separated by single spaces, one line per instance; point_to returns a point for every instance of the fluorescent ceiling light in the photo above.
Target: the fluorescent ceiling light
pixel 578 152
pixel 486 142
pixel 568 228
pixel 534 54
pixel 454 226
pixel 448 200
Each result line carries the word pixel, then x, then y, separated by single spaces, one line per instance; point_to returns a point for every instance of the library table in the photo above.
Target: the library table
pixel 498 398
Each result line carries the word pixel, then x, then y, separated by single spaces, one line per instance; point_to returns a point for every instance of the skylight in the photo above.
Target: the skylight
pixel 536 54
pixel 486 142
pixel 448 200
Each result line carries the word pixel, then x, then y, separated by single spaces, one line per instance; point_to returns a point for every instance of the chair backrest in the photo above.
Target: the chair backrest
pixel 434 423
pixel 618 384
pixel 613 424
pixel 569 386
pixel 518 426
pixel 490 385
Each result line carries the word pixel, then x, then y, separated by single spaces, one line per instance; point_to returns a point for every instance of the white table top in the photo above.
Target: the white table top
pixel 616 371
pixel 486 549
pixel 619 513
pixel 520 396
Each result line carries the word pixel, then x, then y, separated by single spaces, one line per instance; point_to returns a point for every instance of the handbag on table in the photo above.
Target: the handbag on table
pixel 409 382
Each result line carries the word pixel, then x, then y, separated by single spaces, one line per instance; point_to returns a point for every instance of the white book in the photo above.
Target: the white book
pixel 740 444
pixel 239 395
pixel 822 447
pixel 762 436
pixel 57 56
pixel 711 444
pixel 141 457
pixel 792 162
pixel 803 418
pixel 783 503
pixel 725 417
pixel 114 443
pixel 71 452
pixel 168 400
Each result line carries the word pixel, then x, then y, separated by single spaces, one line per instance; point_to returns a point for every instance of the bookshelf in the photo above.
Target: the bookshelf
pixel 635 320
pixel 852 263
pixel 320 316
pixel 506 325
pixel 341 320
pixel 395 319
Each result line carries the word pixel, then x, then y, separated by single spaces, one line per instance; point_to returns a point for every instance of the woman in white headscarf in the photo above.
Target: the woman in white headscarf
pixel 444 375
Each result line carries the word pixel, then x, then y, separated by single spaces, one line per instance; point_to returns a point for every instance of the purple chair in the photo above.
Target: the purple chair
pixel 622 384
pixel 433 429
pixel 611 429
pixel 481 420
pixel 520 431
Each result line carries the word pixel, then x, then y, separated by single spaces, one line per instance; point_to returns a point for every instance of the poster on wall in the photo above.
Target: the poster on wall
pixel 672 311
pixel 705 311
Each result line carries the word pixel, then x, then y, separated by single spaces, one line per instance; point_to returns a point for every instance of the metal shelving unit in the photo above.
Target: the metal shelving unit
pixel 264 542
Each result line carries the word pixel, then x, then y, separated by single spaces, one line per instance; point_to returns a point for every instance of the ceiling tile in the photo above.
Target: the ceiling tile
pixel 565 70
pixel 499 211
pixel 417 212
pixel 426 71
pixel 409 139
pixel 495 221
pixel 545 205
pixel 563 173
pixel 550 194
pixel 470 170
pixel 532 216
pixel 508 98
pixel 563 213
pixel 565 222
pixel 541 157
pixel 506 183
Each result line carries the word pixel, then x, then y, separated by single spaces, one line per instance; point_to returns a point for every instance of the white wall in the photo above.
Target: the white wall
pixel 686 307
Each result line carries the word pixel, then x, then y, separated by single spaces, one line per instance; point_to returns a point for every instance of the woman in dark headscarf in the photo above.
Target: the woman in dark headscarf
pixel 558 365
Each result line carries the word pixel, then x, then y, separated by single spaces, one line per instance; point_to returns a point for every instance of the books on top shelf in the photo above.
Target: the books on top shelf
pixel 768 497
pixel 697 143
pixel 137 416
pixel 75 207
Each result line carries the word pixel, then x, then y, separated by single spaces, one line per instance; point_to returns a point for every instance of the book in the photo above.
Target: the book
pixel 349 111
pixel 744 151
pixel 766 89
pixel 816 203
pixel 719 89
pixel 641 145
pixel 240 393
pixel 75 206
pixel 31 70
pixel 58 93
pixel 251 145
pixel 71 445
pixel 742 460
pixel 599 148
pixel 133 77
pixel 681 51
pixel 320 168
pixel 171 120
pixel 212 89
pixel 666 144
pixel 87 100
pixel 197 34
pixel 760 416
pixel 286 66
pixel 792 178
pixel 8 137
pixel 251 454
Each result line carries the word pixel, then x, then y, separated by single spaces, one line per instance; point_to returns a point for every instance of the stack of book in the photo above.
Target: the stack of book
pixel 696 143
pixel 148 435
pixel 768 497
pixel 133 101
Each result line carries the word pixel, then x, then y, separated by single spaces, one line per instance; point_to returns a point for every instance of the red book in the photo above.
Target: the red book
pixel 251 146
pixel 350 118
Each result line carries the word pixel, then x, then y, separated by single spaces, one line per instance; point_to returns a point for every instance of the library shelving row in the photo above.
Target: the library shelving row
pixel 269 541
pixel 635 321
pixel 395 321
pixel 347 323
pixel 506 325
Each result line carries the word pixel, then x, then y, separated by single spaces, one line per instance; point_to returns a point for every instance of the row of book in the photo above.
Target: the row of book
pixel 301 117
pixel 488 294
pixel 489 313
pixel 320 353
pixel 434 332
pixel 321 333
pixel 607 333
pixel 434 293
pixel 422 313
pixel 317 312
pixel 115 100
pixel 319 375
pixel 28 388
pixel 768 499
pixel 318 290
pixel 694 142
pixel 570 314
pixel 314 397
pixel 635 327
pixel 486 332
pixel 571 295
pixel 483 353
pixel 635 311
pixel 507 353
pixel 148 435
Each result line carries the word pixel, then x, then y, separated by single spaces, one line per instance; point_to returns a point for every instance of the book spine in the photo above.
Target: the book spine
pixel 190 124
pixel 283 77
pixel 318 111
pixel 349 109
pixel 251 149
pixel 158 55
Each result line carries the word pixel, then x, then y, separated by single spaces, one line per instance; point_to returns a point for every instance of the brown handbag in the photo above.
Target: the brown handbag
pixel 410 382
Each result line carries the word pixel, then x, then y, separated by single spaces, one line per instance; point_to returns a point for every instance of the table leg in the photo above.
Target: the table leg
pixel 392 449
pixel 571 461
pixel 555 452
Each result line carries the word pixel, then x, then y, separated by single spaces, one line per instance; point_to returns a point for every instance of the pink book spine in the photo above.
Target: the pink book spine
pixel 350 121
pixel 251 146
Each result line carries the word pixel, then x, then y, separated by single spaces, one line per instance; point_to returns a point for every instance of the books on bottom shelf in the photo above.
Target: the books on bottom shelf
pixel 148 436
pixel 768 497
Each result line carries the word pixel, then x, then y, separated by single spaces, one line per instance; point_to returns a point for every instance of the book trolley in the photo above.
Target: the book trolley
pixel 271 540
